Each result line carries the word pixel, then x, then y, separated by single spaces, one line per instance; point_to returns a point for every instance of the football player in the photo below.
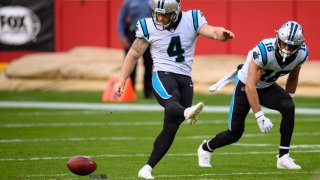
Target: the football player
pixel 171 35
pixel 255 85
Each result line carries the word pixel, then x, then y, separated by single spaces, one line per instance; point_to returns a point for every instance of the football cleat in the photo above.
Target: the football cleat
pixel 285 162
pixel 204 157
pixel 192 112
pixel 145 172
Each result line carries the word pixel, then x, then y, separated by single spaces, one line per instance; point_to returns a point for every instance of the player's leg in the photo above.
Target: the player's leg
pixel 174 111
pixel 148 64
pixel 166 90
pixel 167 93
pixel 174 92
pixel 186 96
pixel 282 102
pixel 239 108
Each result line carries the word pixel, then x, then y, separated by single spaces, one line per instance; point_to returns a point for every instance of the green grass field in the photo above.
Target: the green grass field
pixel 36 143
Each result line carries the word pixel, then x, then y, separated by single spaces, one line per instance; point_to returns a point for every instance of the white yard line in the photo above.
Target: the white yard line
pixel 146 155
pixel 126 107
pixel 47 175
pixel 155 122
pixel 194 175
pixel 132 138
pixel 230 174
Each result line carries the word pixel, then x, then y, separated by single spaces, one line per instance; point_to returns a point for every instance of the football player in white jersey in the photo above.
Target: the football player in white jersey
pixel 256 85
pixel 171 35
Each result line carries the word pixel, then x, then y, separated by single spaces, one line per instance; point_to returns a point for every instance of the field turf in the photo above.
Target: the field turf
pixel 35 143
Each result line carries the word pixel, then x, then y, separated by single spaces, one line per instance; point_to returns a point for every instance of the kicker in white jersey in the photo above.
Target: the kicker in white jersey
pixel 173 50
pixel 264 56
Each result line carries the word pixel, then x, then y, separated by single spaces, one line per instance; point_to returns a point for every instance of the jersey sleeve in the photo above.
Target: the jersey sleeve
pixel 142 30
pixel 259 55
pixel 198 19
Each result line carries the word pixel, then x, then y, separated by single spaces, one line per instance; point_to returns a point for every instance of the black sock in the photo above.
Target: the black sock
pixel 205 147
pixel 283 152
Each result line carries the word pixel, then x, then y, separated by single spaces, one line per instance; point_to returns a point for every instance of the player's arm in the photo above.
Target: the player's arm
pixel 217 33
pixel 137 49
pixel 292 81
pixel 251 88
pixel 254 75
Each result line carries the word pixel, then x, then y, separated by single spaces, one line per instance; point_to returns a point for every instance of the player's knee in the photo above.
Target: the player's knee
pixel 286 107
pixel 172 115
pixel 235 135
pixel 172 107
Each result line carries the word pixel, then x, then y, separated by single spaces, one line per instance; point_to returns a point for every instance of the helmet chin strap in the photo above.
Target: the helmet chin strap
pixel 284 53
pixel 160 25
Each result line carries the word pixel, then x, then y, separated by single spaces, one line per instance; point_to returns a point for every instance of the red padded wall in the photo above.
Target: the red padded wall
pixel 252 22
pixel 309 17
pixel 8 56
pixel 113 23
pixel 83 23
pixel 94 22
pixel 215 12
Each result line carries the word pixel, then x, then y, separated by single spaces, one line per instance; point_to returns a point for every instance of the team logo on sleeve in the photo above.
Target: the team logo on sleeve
pixel 256 55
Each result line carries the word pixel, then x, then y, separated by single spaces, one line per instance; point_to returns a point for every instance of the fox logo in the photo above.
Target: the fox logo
pixel 18 25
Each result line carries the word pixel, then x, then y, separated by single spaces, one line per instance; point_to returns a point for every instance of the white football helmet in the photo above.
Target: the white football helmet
pixel 290 33
pixel 165 7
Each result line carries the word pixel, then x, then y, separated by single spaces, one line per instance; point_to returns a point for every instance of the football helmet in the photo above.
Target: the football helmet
pixel 171 7
pixel 289 34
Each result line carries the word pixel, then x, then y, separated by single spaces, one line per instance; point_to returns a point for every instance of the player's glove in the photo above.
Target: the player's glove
pixel 264 123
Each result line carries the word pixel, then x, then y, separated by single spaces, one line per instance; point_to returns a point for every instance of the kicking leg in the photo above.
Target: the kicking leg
pixel 167 91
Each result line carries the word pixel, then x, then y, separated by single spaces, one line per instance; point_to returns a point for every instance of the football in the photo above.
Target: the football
pixel 81 165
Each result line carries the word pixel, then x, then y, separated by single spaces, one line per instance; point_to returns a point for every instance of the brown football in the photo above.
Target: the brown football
pixel 81 165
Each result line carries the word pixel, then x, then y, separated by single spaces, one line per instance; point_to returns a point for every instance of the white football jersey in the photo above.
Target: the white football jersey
pixel 173 50
pixel 264 56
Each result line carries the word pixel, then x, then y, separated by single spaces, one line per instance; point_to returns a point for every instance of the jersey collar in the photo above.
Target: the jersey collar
pixel 174 26
pixel 288 60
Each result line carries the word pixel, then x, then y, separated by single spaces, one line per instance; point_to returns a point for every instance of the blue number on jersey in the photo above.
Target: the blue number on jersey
pixel 270 76
pixel 269 47
pixel 175 49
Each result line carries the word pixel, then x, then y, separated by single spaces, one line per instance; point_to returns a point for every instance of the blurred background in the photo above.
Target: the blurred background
pixel 88 28
pixel 60 58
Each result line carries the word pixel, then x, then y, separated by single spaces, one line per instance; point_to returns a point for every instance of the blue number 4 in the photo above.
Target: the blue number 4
pixel 175 49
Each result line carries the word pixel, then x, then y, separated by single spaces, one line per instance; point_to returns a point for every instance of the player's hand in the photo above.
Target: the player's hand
pixel 119 88
pixel 228 35
pixel 264 123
